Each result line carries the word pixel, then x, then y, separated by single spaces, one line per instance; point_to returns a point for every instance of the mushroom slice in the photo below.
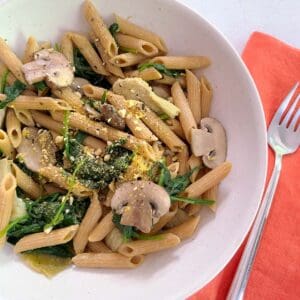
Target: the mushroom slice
pixel 51 66
pixel 210 142
pixel 141 203
pixel 37 148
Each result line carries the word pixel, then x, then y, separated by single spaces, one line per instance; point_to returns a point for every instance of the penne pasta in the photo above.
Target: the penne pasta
pixel 147 74
pixel 103 228
pixel 13 128
pixel 139 32
pixel 107 260
pixel 67 48
pixel 212 194
pixel 10 77
pixel 26 183
pixel 209 180
pixel 99 28
pixel 42 239
pixel 194 163
pixel 182 62
pixel 98 247
pixel 89 221
pixel 176 127
pixel 139 45
pixel 32 46
pixel 183 157
pixel 206 97
pixel 194 95
pixel 5 145
pixel 24 116
pixel 46 121
pixel 186 117
pixel 89 53
pixel 140 247
pixel 9 58
pixel 167 80
pixel 39 103
pixel 45 45
pixel 94 143
pixel 114 239
pixel 127 59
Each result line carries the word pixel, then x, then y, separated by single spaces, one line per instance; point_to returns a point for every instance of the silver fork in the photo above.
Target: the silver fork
pixel 283 139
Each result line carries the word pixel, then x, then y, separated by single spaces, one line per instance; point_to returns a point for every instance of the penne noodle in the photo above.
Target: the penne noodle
pixel 89 221
pixel 62 178
pixel 117 71
pixel 99 28
pixel 112 79
pixel 107 260
pixel 147 74
pixel 182 62
pixel 24 116
pixel 194 95
pixel 206 97
pixel 127 59
pixel 39 103
pixel 180 217
pixel 46 121
pixel 176 127
pixel 67 47
pixel 51 188
pixel 103 228
pixel 94 143
pixel 114 239
pixel 141 46
pixel 13 128
pixel 136 126
pixel 45 45
pixel 212 194
pixel 167 80
pixel 42 239
pixel 98 247
pixel 173 168
pixel 139 247
pixel 26 183
pixel 186 117
pixel 89 53
pixel 10 77
pixel 183 157
pixel 209 180
pixel 186 229
pixel 194 162
pixel 139 32
pixel 32 46
pixel 161 90
pixel 13 63
pixel 5 145
pixel 7 196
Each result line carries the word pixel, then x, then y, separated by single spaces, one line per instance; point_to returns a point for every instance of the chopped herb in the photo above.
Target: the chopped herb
pixel 80 136
pixel 128 50
pixel 66 134
pixel 3 81
pixel 40 86
pixel 104 97
pixel 12 92
pixel 164 117
pixel 192 200
pixel 114 28
pixel 57 47
pixel 160 68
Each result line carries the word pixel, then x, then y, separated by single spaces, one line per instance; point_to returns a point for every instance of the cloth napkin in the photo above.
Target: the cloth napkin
pixel 275 68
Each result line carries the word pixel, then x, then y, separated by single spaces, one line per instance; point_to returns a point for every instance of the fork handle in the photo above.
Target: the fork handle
pixel 239 283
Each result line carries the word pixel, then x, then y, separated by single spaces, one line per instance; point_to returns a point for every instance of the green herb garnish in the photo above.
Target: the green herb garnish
pixel 11 225
pixel 57 47
pixel 3 81
pixel 66 134
pixel 160 68
pixel 40 86
pixel 114 29
pixel 128 50
pixel 104 97
pixel 193 200
pixel 12 92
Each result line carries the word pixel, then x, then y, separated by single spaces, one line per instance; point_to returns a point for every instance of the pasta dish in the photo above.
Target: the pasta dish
pixel 108 151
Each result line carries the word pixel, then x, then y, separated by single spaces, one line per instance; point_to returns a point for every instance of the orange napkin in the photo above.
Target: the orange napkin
pixel 275 68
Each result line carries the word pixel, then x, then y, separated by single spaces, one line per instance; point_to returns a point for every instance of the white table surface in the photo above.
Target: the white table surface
pixel 237 19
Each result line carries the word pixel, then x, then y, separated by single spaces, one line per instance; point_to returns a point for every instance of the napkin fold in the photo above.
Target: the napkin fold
pixel 275 67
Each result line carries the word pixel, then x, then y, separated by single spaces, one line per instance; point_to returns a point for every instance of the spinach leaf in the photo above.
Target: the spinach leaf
pixel 40 86
pixel 3 81
pixel 114 28
pixel 64 251
pixel 80 136
pixel 12 92
pixel 160 68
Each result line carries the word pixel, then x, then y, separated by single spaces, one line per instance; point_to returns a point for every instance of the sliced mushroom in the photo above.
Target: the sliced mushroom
pixel 37 148
pixel 51 66
pixel 141 203
pixel 210 142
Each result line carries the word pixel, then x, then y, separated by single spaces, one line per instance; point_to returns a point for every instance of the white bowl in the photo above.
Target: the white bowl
pixel 177 273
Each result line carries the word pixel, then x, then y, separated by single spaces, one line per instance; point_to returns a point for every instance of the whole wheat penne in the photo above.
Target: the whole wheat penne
pixel 71 97
pixel 24 116
pixel 67 47
pixel 136 126
pixel 139 247
pixel 107 260
pixel 13 128
pixel 180 217
pixel 10 77
pixel 97 247
pixel 141 46
pixel 45 45
pixel 173 168
pixel 94 143
pixel 5 145
pixel 186 229
pixel 46 121
pixel 127 59
pixel 32 46
pixel 26 183
pixel 193 209
pixel 183 157
pixel 147 74
pixel 10 59
pixel 102 229
pixel 194 94
pixel 7 196
pixel 99 28
pixel 112 79
pixel 167 80
pixel 182 62
pixel 206 96
pixel 212 194
pixel 209 180
pixel 176 127
pixel 186 117
pixel 194 163
pixel 89 53
pixel 61 178
pixel 117 71
pixel 39 103
pixel 51 188
pixel 89 221
pixel 134 30
pixel 42 239
pixel 161 90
